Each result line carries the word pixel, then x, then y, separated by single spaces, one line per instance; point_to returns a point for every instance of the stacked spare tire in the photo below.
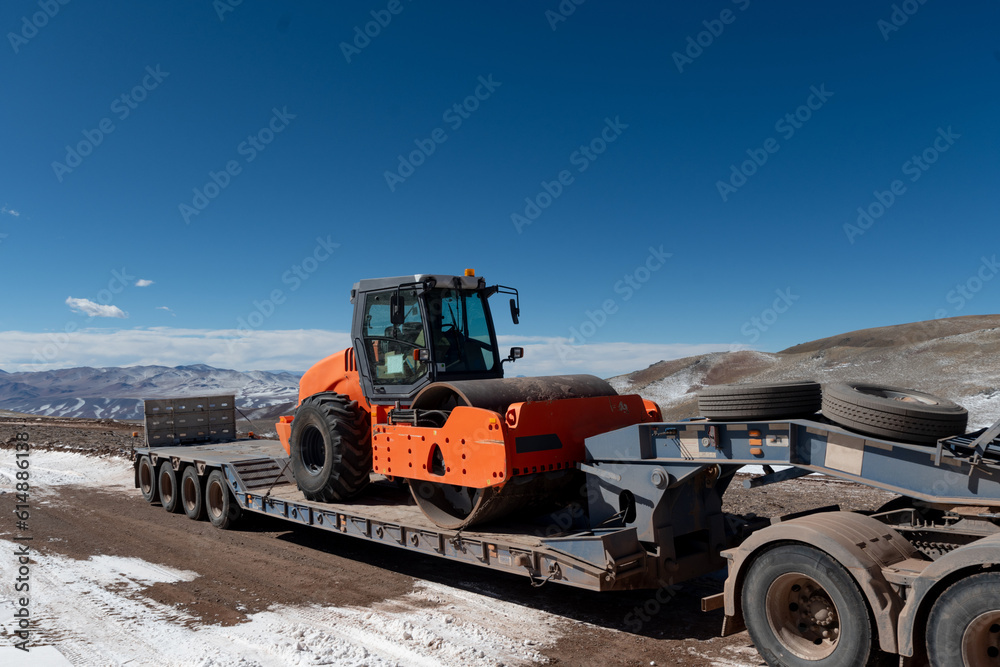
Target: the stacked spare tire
pixel 887 412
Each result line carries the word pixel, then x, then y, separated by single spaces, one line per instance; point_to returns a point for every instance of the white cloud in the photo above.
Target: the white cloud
pixel 10 211
pixel 142 282
pixel 165 346
pixel 298 349
pixel 88 307
pixel 557 356
pixel 166 309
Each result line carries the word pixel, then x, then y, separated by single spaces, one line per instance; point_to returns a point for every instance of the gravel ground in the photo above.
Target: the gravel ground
pixel 294 595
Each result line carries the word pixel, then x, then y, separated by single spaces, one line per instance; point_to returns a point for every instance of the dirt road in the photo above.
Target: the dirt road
pixel 116 581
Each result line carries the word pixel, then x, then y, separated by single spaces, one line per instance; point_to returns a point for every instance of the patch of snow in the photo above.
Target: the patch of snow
pixel 984 409
pixel 49 469
pixel 95 612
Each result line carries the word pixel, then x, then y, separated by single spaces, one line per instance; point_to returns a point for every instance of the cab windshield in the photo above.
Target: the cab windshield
pixel 460 332
pixel 459 335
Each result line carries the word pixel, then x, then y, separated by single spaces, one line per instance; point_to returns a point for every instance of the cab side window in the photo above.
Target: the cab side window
pixel 390 347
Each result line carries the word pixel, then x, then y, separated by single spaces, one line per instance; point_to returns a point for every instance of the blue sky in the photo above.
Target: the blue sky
pixel 656 179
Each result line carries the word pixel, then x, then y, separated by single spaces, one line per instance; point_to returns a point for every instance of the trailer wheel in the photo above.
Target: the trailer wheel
pixel 147 479
pixel 802 607
pixel 166 481
pixel 330 448
pixel 892 412
pixel 769 400
pixel 964 623
pixel 192 495
pixel 221 507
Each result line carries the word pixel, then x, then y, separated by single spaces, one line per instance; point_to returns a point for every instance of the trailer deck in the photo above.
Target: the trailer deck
pixel 651 461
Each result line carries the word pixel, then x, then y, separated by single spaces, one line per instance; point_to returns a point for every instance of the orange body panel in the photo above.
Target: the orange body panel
pixel 337 373
pixel 482 448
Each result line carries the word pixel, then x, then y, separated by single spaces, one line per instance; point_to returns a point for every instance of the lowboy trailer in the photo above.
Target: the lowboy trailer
pixel 919 579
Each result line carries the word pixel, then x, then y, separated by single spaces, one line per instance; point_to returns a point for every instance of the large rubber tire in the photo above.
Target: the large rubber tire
pixel 791 595
pixel 192 494
pixel 770 400
pixel 169 490
pixel 146 476
pixel 330 447
pixel 964 623
pixel 892 412
pixel 222 509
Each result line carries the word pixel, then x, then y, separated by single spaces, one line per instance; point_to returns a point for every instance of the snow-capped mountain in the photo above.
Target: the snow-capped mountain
pixel 118 392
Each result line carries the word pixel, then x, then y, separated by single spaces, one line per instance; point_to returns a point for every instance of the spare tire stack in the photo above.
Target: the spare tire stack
pixel 888 412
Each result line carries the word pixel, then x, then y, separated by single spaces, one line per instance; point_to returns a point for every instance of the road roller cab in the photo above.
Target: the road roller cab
pixel 414 330
pixel 421 396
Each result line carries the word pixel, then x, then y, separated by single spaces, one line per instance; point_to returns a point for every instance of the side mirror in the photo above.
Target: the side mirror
pixel 515 312
pixel 515 354
pixel 396 313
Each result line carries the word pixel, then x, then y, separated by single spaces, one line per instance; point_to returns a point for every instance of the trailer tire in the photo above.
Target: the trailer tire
pixel 146 476
pixel 964 623
pixel 222 509
pixel 892 412
pixel 169 490
pixel 192 494
pixel 767 400
pixel 786 626
pixel 330 448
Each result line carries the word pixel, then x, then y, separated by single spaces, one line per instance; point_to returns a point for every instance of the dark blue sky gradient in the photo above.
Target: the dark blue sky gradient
pixel 654 185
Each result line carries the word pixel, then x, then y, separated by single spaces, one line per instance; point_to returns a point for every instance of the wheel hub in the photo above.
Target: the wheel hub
pixel 802 616
pixel 981 640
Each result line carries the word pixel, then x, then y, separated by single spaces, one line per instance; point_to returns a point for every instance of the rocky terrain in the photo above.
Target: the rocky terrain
pixel 956 358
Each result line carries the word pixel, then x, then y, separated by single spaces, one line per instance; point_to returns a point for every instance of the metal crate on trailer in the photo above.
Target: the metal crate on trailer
pixel 189 420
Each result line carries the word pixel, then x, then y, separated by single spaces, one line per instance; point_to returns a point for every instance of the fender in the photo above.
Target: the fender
pixel 337 373
pixel 862 545
pixel 980 556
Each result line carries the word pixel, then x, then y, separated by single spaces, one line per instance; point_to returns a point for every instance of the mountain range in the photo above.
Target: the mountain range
pixel 956 358
pixel 117 393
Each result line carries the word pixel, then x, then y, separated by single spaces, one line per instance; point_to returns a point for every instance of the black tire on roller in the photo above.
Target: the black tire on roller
pixel 330 447
pixel 169 491
pixel 964 623
pixel 770 400
pixel 794 593
pixel 892 412
pixel 220 505
pixel 192 494
pixel 146 476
